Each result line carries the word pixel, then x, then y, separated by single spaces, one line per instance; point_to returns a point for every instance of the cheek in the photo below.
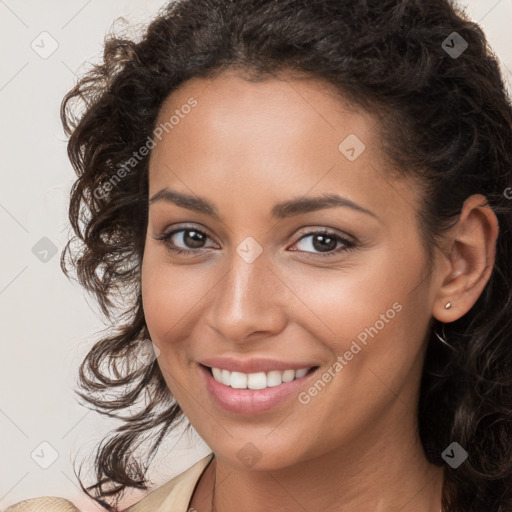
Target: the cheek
pixel 362 297
pixel 152 293
pixel 166 302
pixel 158 296
pixel 172 296
pixel 374 317
pixel 377 317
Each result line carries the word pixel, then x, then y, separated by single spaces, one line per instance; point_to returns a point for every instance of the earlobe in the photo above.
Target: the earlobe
pixel 470 257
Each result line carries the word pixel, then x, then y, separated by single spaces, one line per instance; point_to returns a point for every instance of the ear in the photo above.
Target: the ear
pixel 468 259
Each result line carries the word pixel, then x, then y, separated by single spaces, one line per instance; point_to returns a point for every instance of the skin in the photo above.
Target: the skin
pixel 244 147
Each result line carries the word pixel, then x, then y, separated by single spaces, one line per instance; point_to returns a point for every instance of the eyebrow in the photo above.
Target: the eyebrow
pixel 281 210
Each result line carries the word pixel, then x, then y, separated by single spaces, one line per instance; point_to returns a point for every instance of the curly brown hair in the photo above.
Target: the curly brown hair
pixel 445 118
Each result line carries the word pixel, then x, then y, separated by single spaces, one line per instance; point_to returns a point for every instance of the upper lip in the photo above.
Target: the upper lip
pixel 253 365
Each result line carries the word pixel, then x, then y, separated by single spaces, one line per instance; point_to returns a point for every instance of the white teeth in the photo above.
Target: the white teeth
pixel 260 380
pixel 217 374
pixel 274 378
pixel 256 380
pixel 288 375
pixel 301 373
pixel 226 377
pixel 238 380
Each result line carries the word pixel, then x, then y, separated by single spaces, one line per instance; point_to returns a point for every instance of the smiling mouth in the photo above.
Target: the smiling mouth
pixel 258 380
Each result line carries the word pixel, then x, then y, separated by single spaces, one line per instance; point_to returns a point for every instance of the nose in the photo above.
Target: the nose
pixel 249 301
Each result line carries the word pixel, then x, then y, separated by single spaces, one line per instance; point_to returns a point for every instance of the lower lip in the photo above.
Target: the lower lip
pixel 252 401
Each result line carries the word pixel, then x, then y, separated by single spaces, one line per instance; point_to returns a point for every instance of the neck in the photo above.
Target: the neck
pixel 389 474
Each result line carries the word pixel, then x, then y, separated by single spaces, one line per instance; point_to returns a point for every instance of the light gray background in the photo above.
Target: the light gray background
pixel 47 322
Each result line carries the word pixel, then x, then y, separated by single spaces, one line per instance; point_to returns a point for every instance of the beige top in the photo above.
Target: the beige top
pixel 175 495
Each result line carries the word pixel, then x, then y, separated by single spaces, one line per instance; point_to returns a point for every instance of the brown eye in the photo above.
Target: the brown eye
pixel 192 238
pixel 325 242
pixel 184 240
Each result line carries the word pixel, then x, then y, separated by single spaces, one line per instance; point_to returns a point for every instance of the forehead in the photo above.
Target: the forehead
pixel 278 137
pixel 232 117
pixel 229 94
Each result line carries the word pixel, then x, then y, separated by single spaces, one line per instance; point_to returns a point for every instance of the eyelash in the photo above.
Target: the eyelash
pixel 165 238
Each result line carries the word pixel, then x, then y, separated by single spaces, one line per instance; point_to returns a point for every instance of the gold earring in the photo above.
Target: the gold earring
pixel 448 305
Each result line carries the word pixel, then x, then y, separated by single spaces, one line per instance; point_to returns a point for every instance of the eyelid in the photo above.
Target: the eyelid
pixel 312 230
pixel 166 235
pixel 348 241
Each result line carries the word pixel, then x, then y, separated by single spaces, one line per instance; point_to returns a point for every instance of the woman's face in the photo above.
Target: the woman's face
pixel 245 167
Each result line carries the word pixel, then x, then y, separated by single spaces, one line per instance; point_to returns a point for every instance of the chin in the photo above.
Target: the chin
pixel 261 456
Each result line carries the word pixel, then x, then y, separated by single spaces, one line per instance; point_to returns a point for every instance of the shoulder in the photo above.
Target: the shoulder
pixel 175 495
pixel 43 504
